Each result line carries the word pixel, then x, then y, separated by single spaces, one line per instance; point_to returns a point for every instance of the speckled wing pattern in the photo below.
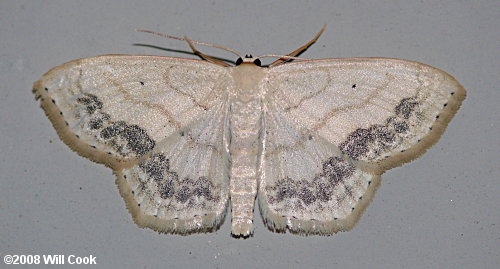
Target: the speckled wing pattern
pixel 332 127
pixel 158 122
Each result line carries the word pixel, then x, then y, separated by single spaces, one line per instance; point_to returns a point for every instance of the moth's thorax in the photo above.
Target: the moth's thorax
pixel 247 78
pixel 246 107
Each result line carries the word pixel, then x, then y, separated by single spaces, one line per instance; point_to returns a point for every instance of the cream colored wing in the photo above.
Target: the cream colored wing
pixel 333 126
pixel 158 122
pixel 306 184
pixel 182 186
pixel 382 112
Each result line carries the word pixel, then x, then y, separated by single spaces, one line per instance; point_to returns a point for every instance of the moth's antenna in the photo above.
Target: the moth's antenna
pixel 300 50
pixel 204 56
pixel 192 42
pixel 285 57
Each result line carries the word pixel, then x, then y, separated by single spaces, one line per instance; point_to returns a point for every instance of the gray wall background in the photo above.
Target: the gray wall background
pixel 439 211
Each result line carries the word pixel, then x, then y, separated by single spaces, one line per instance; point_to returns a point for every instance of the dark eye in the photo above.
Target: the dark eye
pixel 257 62
pixel 239 61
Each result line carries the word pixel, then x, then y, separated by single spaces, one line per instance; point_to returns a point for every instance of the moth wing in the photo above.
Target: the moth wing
pixel 333 126
pixel 115 108
pixel 380 112
pixel 306 184
pixel 182 186
pixel 140 113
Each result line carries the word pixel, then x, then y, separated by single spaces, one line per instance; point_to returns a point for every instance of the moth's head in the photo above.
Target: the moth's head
pixel 249 59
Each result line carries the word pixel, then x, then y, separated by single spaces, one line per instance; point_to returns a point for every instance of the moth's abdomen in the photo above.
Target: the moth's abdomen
pixel 245 124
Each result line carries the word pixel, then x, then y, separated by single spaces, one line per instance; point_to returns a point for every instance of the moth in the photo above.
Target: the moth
pixel 307 139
